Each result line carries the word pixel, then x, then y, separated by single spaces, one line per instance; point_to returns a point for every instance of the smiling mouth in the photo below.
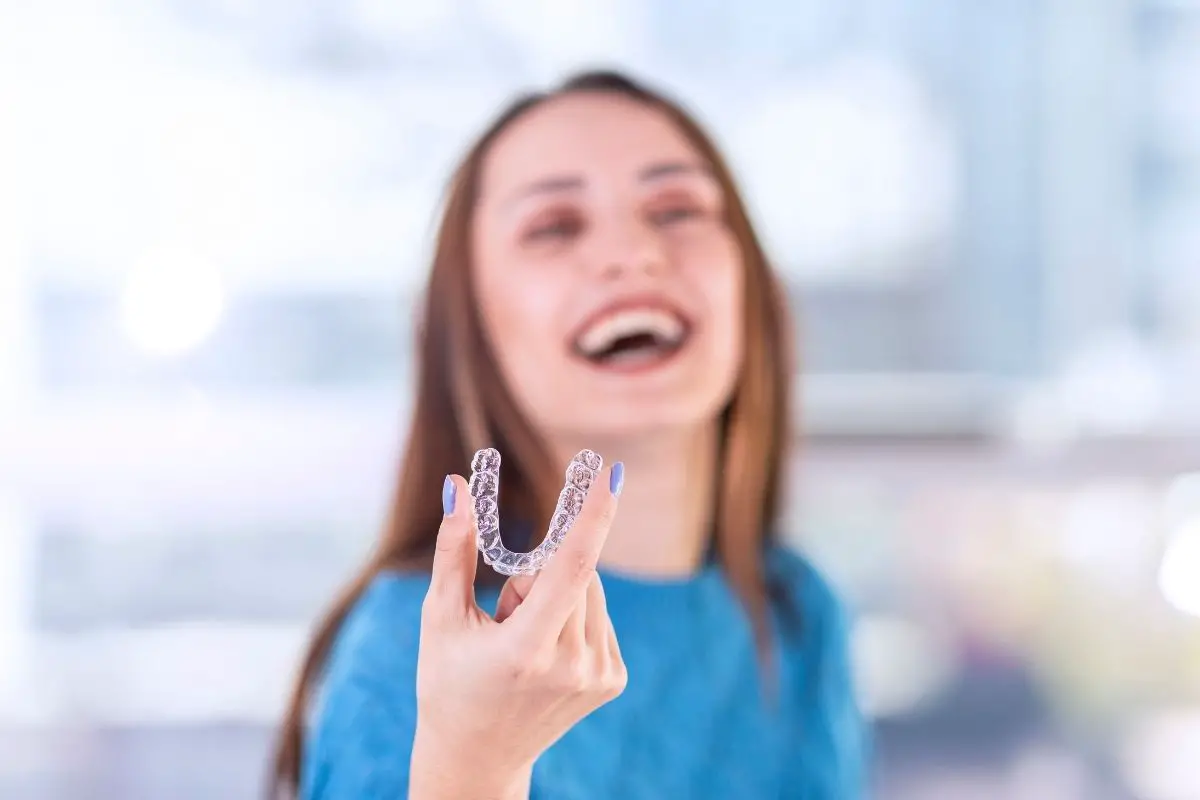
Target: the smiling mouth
pixel 632 339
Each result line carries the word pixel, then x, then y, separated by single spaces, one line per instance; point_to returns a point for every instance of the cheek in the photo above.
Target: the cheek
pixel 719 276
pixel 716 268
pixel 519 319
pixel 729 310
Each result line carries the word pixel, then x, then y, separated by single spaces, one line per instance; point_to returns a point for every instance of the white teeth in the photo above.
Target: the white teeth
pixel 662 325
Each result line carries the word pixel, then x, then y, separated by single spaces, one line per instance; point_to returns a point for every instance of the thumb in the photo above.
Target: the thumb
pixel 515 590
pixel 452 584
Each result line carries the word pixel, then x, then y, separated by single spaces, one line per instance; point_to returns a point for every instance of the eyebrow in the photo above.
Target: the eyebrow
pixel 668 168
pixel 566 183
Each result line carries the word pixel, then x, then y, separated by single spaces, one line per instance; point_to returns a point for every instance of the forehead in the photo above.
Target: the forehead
pixel 589 135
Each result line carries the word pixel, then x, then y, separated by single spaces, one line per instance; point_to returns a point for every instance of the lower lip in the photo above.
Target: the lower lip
pixel 636 366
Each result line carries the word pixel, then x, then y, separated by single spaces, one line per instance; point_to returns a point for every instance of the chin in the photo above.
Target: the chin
pixel 644 417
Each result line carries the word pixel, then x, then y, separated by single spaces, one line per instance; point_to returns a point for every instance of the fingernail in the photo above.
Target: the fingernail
pixel 616 478
pixel 449 490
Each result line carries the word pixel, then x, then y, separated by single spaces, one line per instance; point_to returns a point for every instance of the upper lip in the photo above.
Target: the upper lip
pixel 647 300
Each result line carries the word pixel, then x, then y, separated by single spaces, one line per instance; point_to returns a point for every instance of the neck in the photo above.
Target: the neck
pixel 664 522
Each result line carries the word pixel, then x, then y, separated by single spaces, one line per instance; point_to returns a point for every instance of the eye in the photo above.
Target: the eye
pixel 677 206
pixel 556 227
pixel 675 214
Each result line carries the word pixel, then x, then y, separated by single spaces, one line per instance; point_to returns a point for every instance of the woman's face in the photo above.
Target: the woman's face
pixel 609 284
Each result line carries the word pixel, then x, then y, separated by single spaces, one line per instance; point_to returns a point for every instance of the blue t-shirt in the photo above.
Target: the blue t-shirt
pixel 693 722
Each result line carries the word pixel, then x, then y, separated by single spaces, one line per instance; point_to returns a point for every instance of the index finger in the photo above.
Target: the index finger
pixel 564 580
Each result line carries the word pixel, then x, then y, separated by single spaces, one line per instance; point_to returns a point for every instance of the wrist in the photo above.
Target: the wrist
pixel 442 771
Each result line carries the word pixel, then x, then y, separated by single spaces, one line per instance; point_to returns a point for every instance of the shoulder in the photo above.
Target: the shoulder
pixel 364 712
pixel 789 566
pixel 382 628
pixel 806 597
pixel 813 621
pixel 376 648
pixel 822 677
pixel 812 617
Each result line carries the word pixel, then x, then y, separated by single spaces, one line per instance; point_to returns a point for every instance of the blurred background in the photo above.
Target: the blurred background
pixel 214 221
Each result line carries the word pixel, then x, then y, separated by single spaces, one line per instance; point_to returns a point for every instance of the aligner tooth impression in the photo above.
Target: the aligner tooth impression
pixel 484 486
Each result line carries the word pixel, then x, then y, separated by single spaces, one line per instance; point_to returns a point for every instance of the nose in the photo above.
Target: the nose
pixel 627 246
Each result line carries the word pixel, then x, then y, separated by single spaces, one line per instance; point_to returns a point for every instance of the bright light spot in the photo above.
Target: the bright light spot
pixel 1179 575
pixel 898 665
pixel 1160 756
pixel 172 301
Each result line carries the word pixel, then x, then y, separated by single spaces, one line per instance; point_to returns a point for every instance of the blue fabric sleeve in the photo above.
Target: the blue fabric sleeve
pixel 360 741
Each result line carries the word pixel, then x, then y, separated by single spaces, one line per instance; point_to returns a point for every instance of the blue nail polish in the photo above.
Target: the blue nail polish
pixel 616 478
pixel 449 490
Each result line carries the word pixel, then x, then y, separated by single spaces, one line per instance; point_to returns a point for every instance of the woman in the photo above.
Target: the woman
pixel 596 284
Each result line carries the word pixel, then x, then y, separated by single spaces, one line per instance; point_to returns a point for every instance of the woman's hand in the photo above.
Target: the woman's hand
pixel 494 693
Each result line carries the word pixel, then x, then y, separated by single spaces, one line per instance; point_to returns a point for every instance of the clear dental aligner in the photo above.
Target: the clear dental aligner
pixel 485 492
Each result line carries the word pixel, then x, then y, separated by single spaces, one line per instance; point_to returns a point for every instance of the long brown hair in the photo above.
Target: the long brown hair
pixel 452 418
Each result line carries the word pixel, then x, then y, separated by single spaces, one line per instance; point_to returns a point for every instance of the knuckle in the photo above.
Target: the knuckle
pixel 618 679
pixel 582 568
pixel 599 517
pixel 605 506
pixel 597 506
pixel 574 675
